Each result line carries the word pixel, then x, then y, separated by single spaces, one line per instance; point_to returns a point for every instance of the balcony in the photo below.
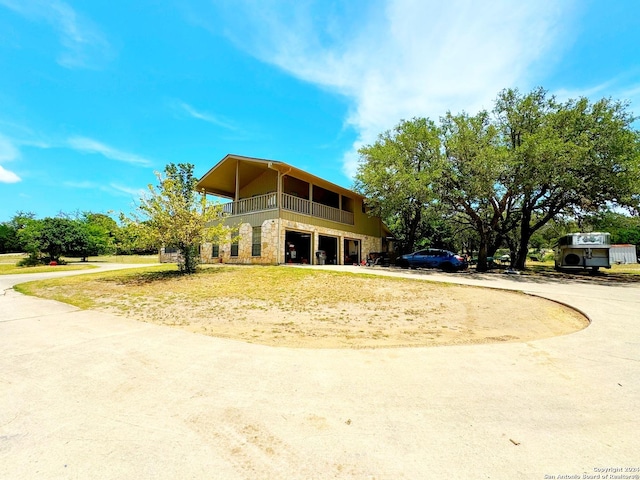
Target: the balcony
pixel 290 203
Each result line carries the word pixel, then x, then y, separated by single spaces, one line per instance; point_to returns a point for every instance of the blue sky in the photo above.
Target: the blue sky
pixel 95 96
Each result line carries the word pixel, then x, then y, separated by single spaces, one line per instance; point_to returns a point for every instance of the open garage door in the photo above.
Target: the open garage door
pixel 351 252
pixel 297 247
pixel 330 246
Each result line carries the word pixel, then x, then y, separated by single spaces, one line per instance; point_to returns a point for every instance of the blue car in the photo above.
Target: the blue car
pixel 433 258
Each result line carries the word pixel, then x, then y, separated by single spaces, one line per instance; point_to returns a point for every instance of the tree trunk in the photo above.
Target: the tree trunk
pixel 413 228
pixel 523 246
pixel 482 265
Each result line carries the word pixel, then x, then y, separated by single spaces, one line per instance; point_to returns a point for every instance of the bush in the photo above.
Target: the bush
pixel 33 260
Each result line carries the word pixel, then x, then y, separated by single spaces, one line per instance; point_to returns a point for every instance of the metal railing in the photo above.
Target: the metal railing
pixel 291 203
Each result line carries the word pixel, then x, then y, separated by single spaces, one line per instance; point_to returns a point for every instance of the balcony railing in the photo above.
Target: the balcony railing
pixel 291 203
pixel 253 204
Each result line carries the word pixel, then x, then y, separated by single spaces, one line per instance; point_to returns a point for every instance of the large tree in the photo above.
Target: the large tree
pixel 397 175
pixel 175 215
pixel 475 178
pixel 100 230
pixel 508 174
pixel 52 237
pixel 564 158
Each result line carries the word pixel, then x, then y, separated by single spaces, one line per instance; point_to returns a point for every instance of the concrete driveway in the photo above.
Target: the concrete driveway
pixel 89 395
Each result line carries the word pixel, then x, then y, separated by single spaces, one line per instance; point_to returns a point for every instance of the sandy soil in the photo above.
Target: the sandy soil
pixel 388 314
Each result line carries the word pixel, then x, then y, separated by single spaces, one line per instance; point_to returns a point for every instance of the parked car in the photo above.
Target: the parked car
pixel 433 258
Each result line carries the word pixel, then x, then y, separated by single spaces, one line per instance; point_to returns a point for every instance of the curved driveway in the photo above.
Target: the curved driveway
pixel 84 394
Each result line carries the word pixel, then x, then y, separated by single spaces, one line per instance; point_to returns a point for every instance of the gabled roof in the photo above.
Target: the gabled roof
pixel 221 179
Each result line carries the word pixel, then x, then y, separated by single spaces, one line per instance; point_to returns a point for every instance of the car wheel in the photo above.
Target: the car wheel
pixel 447 267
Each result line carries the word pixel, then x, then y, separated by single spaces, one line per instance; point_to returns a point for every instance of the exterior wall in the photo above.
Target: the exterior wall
pixel 273 242
pixel 265 183
pixel 268 247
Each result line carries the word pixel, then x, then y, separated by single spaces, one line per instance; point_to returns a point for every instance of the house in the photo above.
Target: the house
pixel 286 215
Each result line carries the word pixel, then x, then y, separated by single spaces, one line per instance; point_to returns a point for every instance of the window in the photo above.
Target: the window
pixel 256 241
pixel 234 248
pixel 215 251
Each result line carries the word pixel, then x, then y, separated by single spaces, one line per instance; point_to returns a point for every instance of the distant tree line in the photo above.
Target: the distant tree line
pixel 81 235
pixel 508 177
pixel 172 214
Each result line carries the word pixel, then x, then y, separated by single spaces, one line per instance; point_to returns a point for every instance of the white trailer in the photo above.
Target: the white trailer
pixel 583 251
pixel 625 253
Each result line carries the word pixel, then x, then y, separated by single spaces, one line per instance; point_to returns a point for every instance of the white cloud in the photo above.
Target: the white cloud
pixel 129 191
pixel 85 46
pixel 397 59
pixel 112 188
pixel 204 116
pixel 8 152
pixel 7 176
pixel 88 145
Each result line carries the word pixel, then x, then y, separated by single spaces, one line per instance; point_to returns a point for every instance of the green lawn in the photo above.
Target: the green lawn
pixel 548 267
pixel 118 259
pixel 8 263
pixel 10 269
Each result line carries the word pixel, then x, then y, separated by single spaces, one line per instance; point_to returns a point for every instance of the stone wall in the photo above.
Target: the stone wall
pixel 273 241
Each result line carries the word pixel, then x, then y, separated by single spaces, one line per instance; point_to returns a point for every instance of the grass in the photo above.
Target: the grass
pixel 8 263
pixel 258 288
pixel 118 259
pixel 548 268
pixel 279 305
pixel 10 269
pixel 85 291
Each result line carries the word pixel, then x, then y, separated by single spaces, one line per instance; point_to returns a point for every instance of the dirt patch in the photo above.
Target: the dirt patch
pixel 318 309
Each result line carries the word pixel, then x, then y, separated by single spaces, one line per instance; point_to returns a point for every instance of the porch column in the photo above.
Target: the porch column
pixel 279 192
pixel 237 181
pixel 315 244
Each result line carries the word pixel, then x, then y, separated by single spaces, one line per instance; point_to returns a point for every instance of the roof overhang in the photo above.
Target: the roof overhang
pixel 221 179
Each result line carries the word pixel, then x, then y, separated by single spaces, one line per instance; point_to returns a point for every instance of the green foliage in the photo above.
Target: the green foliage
pixel 129 242
pixel 547 236
pixel 623 228
pixel 397 175
pixel 174 215
pixel 9 240
pixel 566 158
pixel 55 237
pixel 473 183
pixel 502 176
pixel 100 231
pixel 50 238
